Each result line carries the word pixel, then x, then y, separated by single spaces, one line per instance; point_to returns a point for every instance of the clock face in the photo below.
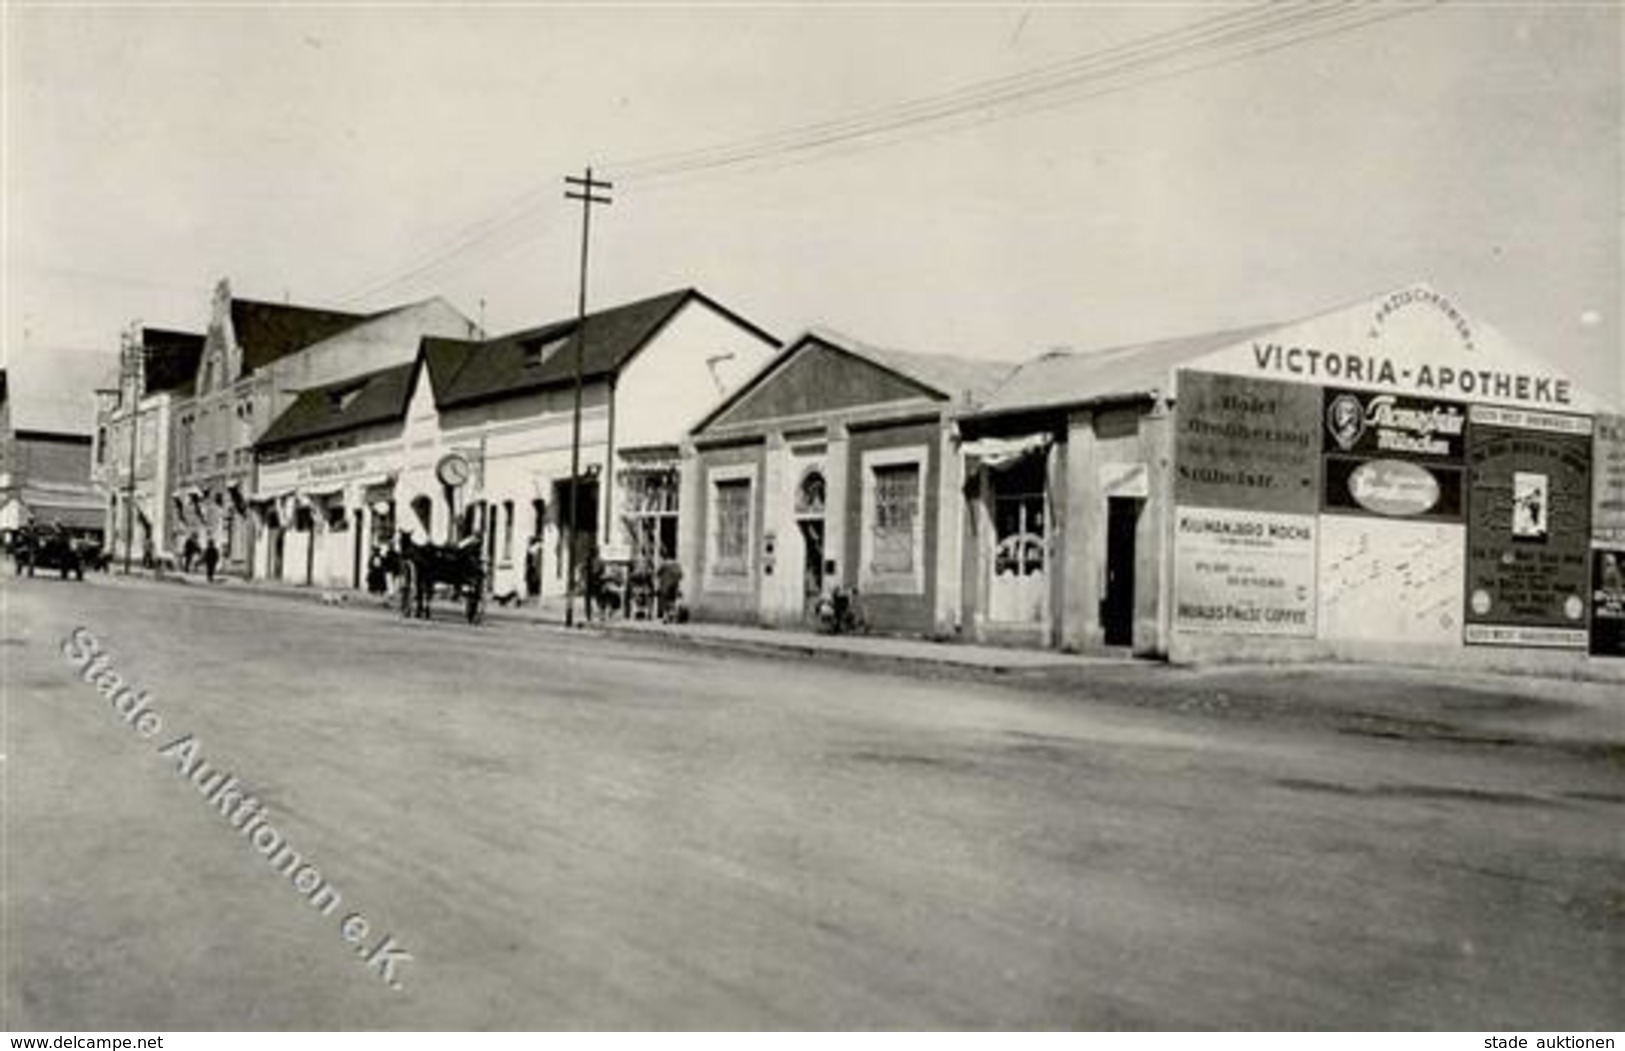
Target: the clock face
pixel 452 469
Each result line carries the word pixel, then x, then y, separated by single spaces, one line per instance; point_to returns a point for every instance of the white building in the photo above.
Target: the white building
pixel 487 435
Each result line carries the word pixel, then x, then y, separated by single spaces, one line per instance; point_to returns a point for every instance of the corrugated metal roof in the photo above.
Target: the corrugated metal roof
pixel 1065 378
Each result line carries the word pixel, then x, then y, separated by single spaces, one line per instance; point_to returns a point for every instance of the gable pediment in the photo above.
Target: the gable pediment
pixel 816 379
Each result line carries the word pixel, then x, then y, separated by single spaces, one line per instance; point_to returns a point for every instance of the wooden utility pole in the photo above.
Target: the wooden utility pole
pixel 133 375
pixel 579 188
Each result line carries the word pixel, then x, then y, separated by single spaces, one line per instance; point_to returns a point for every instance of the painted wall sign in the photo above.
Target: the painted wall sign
pixel 1125 479
pixel 1244 572
pixel 1391 581
pixel 1420 297
pixel 1246 443
pixel 1608 603
pixel 1391 425
pixel 1608 481
pixel 1528 539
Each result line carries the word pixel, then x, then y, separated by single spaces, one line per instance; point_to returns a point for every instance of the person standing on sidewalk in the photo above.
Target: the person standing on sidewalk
pixel 211 558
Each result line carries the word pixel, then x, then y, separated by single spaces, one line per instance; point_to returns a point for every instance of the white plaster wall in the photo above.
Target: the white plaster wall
pixel 672 383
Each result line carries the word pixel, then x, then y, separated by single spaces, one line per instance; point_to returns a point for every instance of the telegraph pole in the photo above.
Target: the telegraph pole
pixel 132 375
pixel 579 188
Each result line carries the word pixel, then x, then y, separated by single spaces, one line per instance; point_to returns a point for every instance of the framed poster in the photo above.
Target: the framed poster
pixel 1608 481
pixel 1528 529
pixel 1608 602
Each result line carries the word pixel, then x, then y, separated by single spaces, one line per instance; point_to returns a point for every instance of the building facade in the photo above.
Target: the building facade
pixel 257 358
pixel 1391 480
pixel 833 467
pixel 475 438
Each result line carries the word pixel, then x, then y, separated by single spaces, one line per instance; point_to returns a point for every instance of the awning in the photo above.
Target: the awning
pixel 1002 452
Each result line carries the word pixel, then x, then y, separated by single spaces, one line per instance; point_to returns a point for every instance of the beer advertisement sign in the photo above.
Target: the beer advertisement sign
pixel 1393 456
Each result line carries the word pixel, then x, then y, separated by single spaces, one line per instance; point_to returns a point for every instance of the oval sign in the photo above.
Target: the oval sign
pixel 1393 487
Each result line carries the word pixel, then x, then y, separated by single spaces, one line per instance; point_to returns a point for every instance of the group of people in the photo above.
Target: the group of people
pixel 206 554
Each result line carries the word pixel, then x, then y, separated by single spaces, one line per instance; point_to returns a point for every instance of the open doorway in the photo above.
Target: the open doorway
pixel 1117 607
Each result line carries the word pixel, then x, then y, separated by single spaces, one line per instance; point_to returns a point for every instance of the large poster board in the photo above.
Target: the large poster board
pixel 1529 528
pixel 1244 572
pixel 1391 580
pixel 1393 456
pixel 1608 481
pixel 1608 603
pixel 1246 443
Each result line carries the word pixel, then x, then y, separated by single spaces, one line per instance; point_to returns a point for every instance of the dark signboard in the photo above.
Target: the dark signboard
pixel 1528 528
pixel 1393 427
pixel 1608 603
pixel 1392 455
pixel 1246 444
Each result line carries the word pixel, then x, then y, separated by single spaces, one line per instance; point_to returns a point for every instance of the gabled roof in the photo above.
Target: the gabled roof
pixel 464 372
pixel 269 331
pixel 172 359
pixel 957 379
pixel 937 377
pixel 1063 378
pixel 371 398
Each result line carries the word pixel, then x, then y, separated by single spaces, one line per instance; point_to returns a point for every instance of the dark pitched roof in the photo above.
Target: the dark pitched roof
pixel 269 331
pixel 464 372
pixel 172 359
pixel 373 397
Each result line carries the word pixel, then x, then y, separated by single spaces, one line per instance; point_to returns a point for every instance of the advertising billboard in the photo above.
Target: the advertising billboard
pixel 1391 581
pixel 1608 481
pixel 1608 603
pixel 1246 443
pixel 1244 572
pixel 1528 528
pixel 1393 456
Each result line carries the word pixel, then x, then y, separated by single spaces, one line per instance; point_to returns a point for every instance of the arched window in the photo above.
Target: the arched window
pixel 810 494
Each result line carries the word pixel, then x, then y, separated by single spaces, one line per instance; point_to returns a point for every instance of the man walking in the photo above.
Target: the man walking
pixel 211 558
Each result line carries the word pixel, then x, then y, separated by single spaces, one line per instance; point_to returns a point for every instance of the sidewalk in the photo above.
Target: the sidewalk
pixel 737 638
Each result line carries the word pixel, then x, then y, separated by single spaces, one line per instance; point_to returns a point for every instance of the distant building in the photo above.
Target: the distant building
pixel 47 423
pixel 140 513
pixel 257 357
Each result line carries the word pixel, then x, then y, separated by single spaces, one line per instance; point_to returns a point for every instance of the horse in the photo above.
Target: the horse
pixel 424 566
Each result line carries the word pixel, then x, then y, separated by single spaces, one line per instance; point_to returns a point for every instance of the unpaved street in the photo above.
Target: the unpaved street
pixel 572 831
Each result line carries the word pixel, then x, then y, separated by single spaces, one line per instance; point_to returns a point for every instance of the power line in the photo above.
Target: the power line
pixel 1231 37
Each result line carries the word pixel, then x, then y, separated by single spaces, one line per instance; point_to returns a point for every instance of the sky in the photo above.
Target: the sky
pixel 315 152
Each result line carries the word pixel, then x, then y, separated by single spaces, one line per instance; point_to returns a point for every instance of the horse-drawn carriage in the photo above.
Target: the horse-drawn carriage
pixel 456 568
pixel 53 547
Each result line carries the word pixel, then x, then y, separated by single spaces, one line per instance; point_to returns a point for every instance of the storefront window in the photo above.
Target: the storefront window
pixel 896 508
pixel 732 526
pixel 650 514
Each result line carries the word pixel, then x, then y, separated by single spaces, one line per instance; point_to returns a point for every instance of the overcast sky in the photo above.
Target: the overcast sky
pixel 316 152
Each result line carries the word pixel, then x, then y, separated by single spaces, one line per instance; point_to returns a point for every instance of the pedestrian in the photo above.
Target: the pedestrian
pixel 533 567
pixel 211 558
pixel 593 572
pixel 189 552
pixel 376 583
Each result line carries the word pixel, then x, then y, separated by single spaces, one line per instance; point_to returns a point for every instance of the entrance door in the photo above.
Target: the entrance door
pixel 583 531
pixel 810 505
pixel 1018 590
pixel 1117 608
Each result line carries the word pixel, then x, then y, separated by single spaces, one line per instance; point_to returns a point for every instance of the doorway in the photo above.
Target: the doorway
pixel 810 503
pixel 1117 607
pixel 1018 588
